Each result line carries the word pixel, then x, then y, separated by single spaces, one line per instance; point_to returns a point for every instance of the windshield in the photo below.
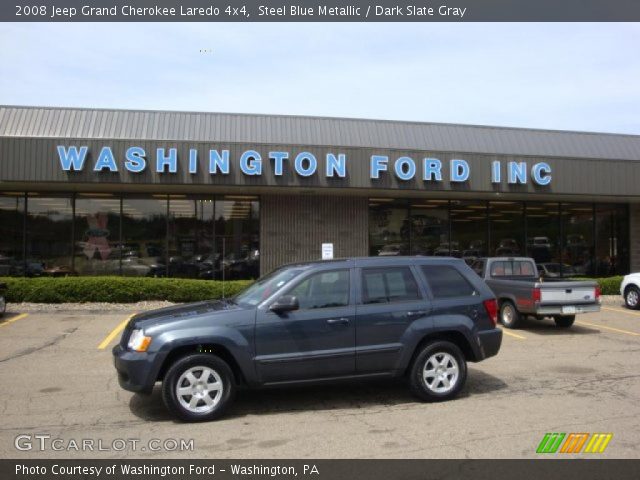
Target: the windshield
pixel 265 286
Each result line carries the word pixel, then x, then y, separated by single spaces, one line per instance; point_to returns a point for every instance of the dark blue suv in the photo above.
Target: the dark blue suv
pixel 417 317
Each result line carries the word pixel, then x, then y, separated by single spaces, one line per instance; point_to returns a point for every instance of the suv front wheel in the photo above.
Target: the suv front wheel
pixel 438 372
pixel 198 387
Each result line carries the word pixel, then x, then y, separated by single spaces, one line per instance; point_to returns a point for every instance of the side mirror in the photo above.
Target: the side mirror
pixel 286 303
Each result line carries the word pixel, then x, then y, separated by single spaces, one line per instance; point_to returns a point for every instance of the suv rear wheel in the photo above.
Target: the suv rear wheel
pixel 509 315
pixel 438 372
pixel 198 387
pixel 632 297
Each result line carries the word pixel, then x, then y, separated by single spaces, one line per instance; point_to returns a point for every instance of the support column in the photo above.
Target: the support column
pixel 293 227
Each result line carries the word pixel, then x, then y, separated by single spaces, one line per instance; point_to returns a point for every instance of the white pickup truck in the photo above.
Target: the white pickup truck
pixel 521 292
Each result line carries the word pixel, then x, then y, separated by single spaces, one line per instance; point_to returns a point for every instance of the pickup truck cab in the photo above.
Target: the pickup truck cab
pixel 521 292
pixel 414 317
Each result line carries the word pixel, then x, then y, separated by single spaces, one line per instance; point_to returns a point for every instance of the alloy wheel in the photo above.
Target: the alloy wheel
pixel 199 389
pixel 632 298
pixel 441 372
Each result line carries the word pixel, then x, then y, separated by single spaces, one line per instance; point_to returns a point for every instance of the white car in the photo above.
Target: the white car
pixel 630 290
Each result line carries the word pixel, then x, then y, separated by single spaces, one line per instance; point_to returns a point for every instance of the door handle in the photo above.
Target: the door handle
pixel 338 321
pixel 416 313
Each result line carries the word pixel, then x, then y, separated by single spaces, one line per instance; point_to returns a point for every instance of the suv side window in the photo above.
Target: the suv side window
pixel 446 282
pixel 390 284
pixel 323 290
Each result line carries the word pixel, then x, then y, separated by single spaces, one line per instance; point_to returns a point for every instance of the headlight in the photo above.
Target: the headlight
pixel 138 342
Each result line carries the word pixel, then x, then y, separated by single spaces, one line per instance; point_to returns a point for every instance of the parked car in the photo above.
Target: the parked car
pixel 508 247
pixel 178 267
pixel 3 297
pixel 60 271
pixel 414 317
pixel 470 256
pixel 448 249
pixel 6 264
pixel 552 270
pixel 630 290
pixel 391 250
pixel 540 242
pixel 520 293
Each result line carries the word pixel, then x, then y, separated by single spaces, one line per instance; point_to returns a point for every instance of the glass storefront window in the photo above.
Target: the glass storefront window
pixel 237 237
pixel 97 235
pixel 612 241
pixel 430 228
pixel 468 230
pixel 564 239
pixel 191 243
pixel 388 227
pixel 144 236
pixel 12 223
pixel 49 236
pixel 543 236
pixel 506 223
pixel 577 230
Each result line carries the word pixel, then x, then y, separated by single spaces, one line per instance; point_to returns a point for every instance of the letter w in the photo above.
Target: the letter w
pixel 72 159
pixel 550 443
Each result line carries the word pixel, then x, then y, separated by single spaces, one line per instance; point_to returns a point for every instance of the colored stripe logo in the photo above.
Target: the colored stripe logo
pixel 574 443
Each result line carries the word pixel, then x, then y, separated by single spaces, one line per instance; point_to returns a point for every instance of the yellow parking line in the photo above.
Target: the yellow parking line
pixel 114 333
pixel 13 319
pixel 626 332
pixel 514 335
pixel 621 310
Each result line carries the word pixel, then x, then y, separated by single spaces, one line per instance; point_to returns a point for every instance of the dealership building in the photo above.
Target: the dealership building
pixel 199 195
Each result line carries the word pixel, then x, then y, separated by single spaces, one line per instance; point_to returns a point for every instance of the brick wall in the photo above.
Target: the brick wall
pixel 293 227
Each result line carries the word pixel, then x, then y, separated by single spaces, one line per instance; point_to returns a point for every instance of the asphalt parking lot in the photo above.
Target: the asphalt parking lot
pixel 56 381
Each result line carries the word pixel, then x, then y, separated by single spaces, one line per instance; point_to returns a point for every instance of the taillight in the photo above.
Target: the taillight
pixel 537 296
pixel 491 306
pixel 598 293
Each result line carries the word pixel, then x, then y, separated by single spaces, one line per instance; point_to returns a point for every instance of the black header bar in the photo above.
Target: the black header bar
pixel 548 469
pixel 320 11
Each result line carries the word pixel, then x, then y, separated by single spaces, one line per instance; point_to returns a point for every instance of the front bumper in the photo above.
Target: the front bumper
pixel 559 309
pixel 489 342
pixel 136 371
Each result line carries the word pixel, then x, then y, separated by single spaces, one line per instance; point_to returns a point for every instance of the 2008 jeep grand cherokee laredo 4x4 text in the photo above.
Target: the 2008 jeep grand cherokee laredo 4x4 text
pixel 422 318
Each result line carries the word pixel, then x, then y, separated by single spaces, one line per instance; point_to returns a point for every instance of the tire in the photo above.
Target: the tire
pixel 632 297
pixel 3 305
pixel 509 315
pixel 565 321
pixel 218 373
pixel 427 386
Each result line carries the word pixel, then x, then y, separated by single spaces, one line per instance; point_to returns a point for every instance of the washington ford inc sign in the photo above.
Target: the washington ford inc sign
pixel 304 164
